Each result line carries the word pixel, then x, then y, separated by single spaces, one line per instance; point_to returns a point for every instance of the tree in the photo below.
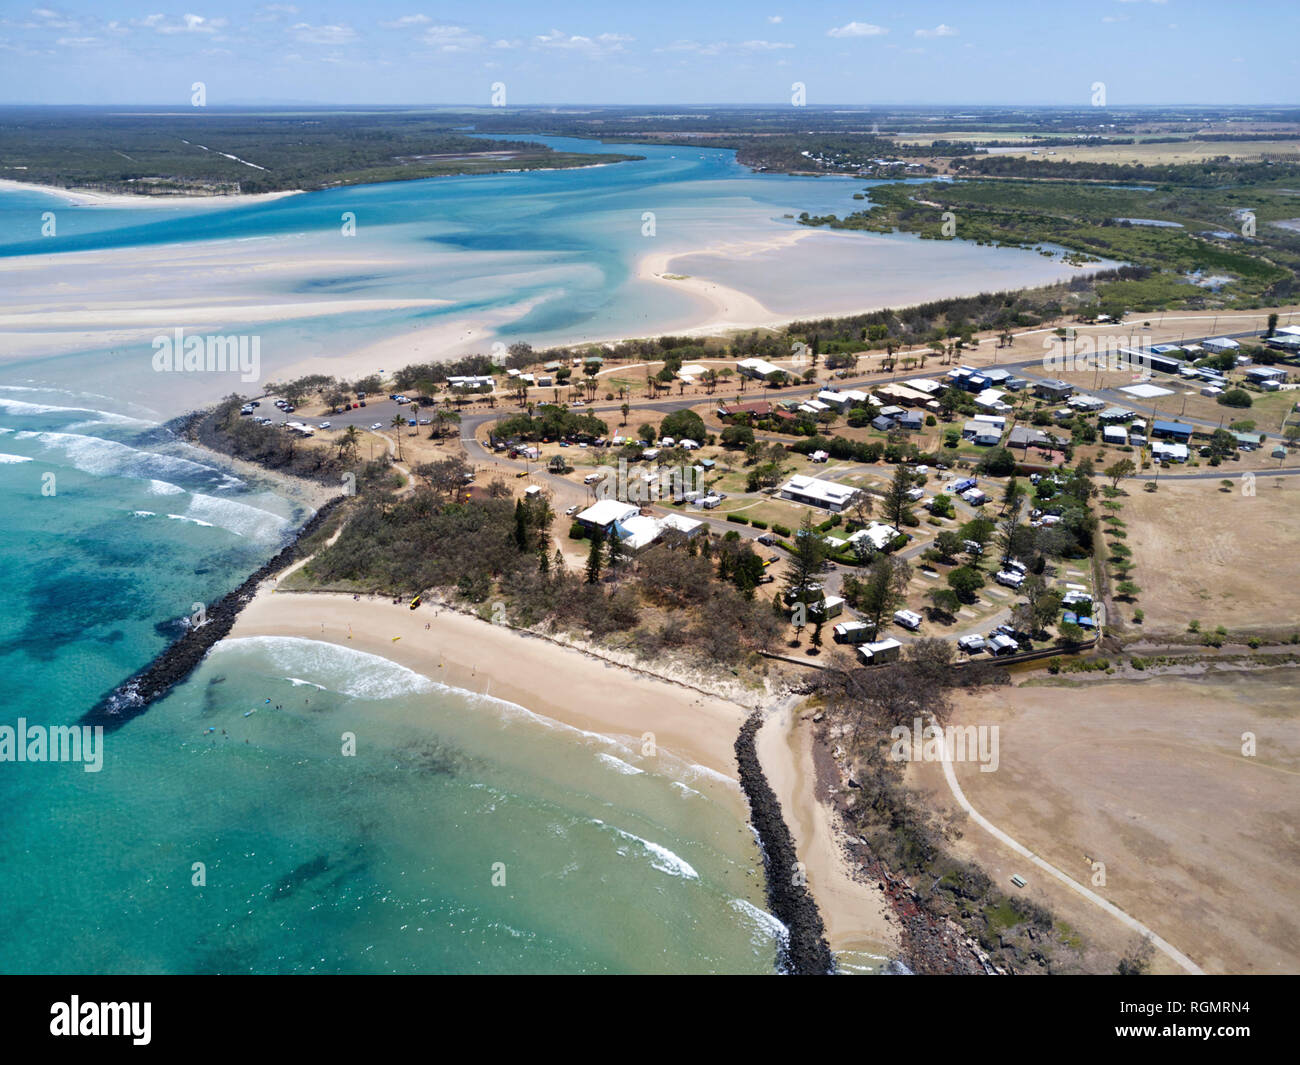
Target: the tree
pixel 1272 325
pixel 948 544
pixel 997 462
pixel 966 581
pixel 625 408
pixel 861 507
pixel 805 561
pixel 737 436
pixel 817 633
pixel 1117 471
pixel 595 556
pixel 897 506
pixel 683 424
pixel 1235 397
pixel 619 555
pixel 880 592
pixel 646 432
pixel 442 418
pixel 1079 483
pixel 943 601
pixel 348 443
pixel 399 423
pixel 446 476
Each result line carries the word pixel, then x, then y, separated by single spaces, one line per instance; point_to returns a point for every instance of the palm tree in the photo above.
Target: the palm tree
pixel 399 423
pixel 348 443
pixel 625 408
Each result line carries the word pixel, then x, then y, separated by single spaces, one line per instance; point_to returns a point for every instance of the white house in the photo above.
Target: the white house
pixel 841 401
pixel 982 433
pixel 877 534
pixel 605 513
pixel 1114 434
pixel 1169 452
pixel 818 493
pixel 759 369
pixel 1220 344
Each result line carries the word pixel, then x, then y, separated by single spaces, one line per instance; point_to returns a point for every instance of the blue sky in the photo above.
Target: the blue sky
pixel 665 52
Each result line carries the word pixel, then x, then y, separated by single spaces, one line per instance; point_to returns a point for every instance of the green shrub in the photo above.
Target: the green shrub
pixel 781 530
pixel 739 519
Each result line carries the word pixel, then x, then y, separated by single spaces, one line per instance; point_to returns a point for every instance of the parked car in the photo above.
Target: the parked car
pixel 324 425
pixel 571 511
pixel 767 539
pixel 972 644
pixel 909 619
pixel 377 425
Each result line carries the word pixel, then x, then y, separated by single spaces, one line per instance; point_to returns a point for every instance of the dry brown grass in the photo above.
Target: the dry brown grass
pixel 1198 841
pixel 1222 558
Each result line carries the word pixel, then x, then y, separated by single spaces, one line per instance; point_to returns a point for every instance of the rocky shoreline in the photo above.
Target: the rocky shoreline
pixel 806 952
pixel 134 696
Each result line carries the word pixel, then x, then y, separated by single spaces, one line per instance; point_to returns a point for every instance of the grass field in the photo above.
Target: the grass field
pixel 1188 151
pixel 1198 841
pixel 1221 558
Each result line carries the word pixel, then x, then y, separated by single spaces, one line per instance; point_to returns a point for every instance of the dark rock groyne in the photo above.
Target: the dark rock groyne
pixel 134 696
pixel 806 953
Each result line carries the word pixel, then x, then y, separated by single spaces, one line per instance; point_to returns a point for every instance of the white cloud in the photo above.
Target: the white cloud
pixel 857 29
pixel 185 24
pixel 453 39
pixel 406 20
pixel 775 19
pixel 939 31
pixel 309 34
pixel 274 12
pixel 602 44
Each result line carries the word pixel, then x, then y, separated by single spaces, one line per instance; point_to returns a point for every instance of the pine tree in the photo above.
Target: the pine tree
pixel 595 557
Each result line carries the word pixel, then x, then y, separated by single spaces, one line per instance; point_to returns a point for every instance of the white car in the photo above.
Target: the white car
pixel 324 425
pixel 377 425
pixel 571 511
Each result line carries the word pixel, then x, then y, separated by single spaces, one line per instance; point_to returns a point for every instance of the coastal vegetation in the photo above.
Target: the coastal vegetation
pixel 214 152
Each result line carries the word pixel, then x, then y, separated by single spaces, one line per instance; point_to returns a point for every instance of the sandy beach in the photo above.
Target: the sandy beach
pixel 556 682
pixel 587 693
pixel 93 198
pixel 857 915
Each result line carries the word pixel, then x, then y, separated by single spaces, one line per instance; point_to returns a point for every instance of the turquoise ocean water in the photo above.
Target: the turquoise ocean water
pixel 312 861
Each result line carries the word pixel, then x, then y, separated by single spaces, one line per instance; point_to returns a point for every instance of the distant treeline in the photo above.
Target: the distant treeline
pixel 1209 174
pixel 173 153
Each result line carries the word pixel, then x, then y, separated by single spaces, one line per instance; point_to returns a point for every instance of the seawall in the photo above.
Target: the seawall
pixel 134 696
pixel 788 897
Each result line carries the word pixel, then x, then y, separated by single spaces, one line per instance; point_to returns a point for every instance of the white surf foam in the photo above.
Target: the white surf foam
pixel 768 929
pixel 9 460
pixel 340 669
pixel 238 518
pixel 618 765
pixel 661 857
